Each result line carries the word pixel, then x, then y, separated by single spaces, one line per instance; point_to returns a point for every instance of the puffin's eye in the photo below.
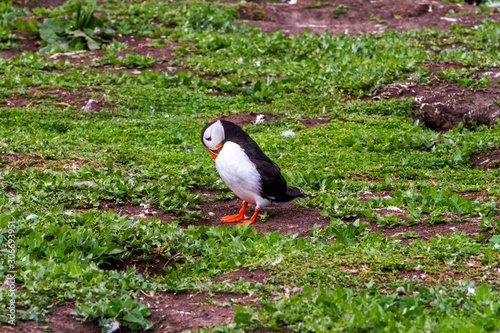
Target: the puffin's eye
pixel 209 138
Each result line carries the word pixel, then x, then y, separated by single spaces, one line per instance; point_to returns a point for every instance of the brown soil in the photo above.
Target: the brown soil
pixel 287 220
pixel 442 104
pixel 310 122
pixel 180 312
pixel 474 195
pixel 422 276
pixel 426 231
pixel 59 97
pixel 136 211
pixel 59 320
pixel 427 278
pixel 361 16
pixel 364 196
pixel 258 276
pixel 423 230
pixel 39 3
pixel 25 42
pixel 17 161
pixel 169 312
pixel 486 160
pixel 153 265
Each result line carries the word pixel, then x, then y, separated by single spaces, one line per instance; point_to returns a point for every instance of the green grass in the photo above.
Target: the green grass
pixel 145 149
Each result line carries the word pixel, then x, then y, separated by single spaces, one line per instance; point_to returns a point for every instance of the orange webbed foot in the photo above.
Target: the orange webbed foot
pixel 232 218
pixel 245 222
pixel 237 217
pixel 252 219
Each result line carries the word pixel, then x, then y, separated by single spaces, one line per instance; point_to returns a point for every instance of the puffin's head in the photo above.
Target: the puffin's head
pixel 213 137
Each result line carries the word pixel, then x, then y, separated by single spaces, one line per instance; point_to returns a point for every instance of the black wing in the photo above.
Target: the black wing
pixel 274 186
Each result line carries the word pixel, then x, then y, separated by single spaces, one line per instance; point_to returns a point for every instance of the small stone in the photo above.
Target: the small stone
pixel 260 118
pixel 87 107
pixel 83 182
pixel 288 133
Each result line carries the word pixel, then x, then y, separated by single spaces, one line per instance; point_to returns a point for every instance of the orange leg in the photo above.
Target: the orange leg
pixel 238 217
pixel 252 219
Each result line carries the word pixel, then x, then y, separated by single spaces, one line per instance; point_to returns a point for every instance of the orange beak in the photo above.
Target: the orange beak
pixel 215 152
pixel 214 155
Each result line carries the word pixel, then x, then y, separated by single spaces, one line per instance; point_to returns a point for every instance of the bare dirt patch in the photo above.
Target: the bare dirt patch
pixel 24 43
pixel 473 195
pixel 58 320
pixel 58 97
pixel 486 160
pixel 17 161
pixel 442 105
pixel 151 264
pixel 423 277
pixel 474 271
pixel 423 230
pixel 252 11
pixel 310 122
pixel 259 275
pixel 406 233
pixel 180 312
pixel 426 231
pixel 40 3
pixel 169 313
pixel 139 45
pixel 286 220
pixel 361 16
pixel 142 211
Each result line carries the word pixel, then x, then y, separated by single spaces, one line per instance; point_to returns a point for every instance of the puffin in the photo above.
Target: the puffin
pixel 245 169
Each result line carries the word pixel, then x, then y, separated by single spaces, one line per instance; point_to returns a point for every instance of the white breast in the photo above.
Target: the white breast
pixel 240 174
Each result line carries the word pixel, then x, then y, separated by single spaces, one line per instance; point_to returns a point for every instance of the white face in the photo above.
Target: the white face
pixel 214 136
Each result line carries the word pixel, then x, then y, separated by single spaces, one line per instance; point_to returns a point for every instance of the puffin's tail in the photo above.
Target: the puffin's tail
pixel 293 192
pixel 287 198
